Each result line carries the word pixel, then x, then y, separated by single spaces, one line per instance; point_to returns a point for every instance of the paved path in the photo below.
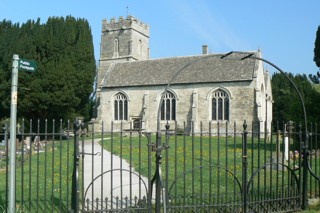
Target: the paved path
pixel 109 185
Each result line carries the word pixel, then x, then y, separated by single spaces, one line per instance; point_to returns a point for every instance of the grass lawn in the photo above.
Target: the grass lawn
pixel 43 179
pixel 210 168
pixel 205 169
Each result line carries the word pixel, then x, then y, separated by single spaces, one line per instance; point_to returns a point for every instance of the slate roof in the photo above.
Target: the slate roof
pixel 191 69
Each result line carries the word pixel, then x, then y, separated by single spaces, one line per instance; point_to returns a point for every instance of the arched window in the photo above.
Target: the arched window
pixel 168 107
pixel 116 47
pixel 220 105
pixel 120 107
pixel 140 47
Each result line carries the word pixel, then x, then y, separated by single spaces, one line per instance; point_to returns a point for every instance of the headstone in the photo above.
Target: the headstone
pixel 286 148
pixel 26 143
pixel 36 143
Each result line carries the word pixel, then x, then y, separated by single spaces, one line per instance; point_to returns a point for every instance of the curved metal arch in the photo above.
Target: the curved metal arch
pixel 306 166
pixel 126 170
pixel 199 167
pixel 270 164
pixel 311 172
pixel 167 88
pixel 250 55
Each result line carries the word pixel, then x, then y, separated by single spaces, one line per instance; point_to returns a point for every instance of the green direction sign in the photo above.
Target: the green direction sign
pixel 27 65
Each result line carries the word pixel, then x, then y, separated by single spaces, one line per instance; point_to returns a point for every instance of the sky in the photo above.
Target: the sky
pixel 284 30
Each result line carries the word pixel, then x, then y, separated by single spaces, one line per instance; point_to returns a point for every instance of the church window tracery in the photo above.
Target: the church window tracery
pixel 120 107
pixel 168 107
pixel 220 105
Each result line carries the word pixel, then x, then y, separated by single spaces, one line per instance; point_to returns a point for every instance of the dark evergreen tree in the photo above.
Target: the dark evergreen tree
pixel 62 84
pixel 287 105
pixel 8 33
pixel 316 58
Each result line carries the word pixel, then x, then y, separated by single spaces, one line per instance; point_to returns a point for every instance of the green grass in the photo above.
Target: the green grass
pixel 43 180
pixel 314 207
pixel 208 166
pixel 202 167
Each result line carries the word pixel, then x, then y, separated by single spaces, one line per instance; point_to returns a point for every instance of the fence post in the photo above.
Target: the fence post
pixel 75 175
pixel 244 167
pixel 158 172
pixel 6 133
pixel 157 178
pixel 150 183
pixel 305 152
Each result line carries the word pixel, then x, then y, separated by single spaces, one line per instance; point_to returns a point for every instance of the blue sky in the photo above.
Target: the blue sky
pixel 284 30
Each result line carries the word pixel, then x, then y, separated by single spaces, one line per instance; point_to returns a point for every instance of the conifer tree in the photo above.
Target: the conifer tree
pixel 287 105
pixel 62 84
pixel 316 58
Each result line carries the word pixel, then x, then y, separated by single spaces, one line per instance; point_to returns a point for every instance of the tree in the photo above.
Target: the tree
pixel 287 105
pixel 316 58
pixel 63 82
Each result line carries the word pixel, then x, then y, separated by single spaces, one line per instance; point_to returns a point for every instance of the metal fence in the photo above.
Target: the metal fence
pixel 63 167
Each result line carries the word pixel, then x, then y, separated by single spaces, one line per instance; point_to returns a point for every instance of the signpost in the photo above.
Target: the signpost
pixel 29 66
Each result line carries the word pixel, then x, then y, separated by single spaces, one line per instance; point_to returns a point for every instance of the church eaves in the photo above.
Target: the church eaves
pixel 192 69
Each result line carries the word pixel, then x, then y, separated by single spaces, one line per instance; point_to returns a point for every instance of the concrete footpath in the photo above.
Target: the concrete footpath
pixel 118 185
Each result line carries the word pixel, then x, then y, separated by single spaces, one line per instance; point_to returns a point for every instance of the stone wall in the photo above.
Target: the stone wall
pixel 144 103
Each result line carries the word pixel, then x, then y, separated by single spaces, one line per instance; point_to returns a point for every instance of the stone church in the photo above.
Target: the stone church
pixel 193 90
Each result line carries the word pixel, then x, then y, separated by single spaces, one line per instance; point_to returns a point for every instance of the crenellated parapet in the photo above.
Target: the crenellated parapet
pixel 125 23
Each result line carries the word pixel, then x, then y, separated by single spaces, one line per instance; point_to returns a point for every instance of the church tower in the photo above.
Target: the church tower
pixel 121 40
pixel 124 40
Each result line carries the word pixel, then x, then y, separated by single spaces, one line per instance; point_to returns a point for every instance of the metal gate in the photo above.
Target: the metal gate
pixel 179 171
pixel 218 169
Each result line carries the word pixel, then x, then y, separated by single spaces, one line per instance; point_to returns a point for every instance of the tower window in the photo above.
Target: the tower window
pixel 116 47
pixel 140 47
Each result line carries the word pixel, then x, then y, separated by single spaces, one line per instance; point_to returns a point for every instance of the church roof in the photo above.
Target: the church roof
pixel 192 69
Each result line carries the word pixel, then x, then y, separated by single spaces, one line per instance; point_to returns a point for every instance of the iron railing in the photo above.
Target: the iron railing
pixel 219 169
